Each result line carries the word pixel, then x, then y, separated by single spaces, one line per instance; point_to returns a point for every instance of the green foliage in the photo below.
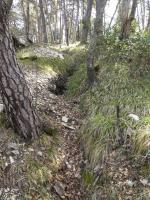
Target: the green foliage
pixel 76 80
pixel 123 80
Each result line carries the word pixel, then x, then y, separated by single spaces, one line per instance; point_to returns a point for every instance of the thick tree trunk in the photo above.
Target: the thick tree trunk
pixel 86 22
pixel 15 93
pixel 44 29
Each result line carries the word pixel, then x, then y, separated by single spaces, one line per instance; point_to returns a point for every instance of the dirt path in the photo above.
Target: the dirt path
pixel 67 181
pixel 45 169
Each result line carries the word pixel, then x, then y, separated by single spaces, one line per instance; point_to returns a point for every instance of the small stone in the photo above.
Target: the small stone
pixel 15 152
pixel 11 160
pixel 65 119
pixel 12 145
pixel 59 188
pixel 39 153
pixel 144 181
pixel 1 108
pixel 130 183
pixel 134 117
pixel 97 168
pixel 68 165
pixel 30 149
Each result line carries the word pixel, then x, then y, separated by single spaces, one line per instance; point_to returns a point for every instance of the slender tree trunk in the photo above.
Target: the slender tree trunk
pixel 15 93
pixel 97 36
pixel 66 23
pixel 148 22
pixel 86 22
pixel 26 16
pixel 127 23
pixel 49 22
pixel 77 23
pixel 44 29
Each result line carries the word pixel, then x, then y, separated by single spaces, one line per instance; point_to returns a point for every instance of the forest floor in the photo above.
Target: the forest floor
pixel 52 167
pixel 49 168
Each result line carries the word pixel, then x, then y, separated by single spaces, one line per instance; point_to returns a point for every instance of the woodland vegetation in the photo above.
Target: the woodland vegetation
pixel 75 99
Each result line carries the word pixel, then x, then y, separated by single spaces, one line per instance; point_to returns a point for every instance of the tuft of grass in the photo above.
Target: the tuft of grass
pixel 97 135
pixel 141 141
pixel 88 177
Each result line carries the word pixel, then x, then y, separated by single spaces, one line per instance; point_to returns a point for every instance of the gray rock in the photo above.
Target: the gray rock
pixel 59 188
pixel 1 107
pixel 15 152
pixel 13 146
pixel 65 119
pixel 11 160
pixel 39 153
pixel 31 149
pixel 130 183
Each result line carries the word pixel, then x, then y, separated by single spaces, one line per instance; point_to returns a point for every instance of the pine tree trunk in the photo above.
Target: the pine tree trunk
pixel 15 93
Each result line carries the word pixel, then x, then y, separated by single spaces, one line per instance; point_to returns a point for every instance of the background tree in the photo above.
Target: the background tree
pixel 127 20
pixel 43 20
pixel 86 21
pixel 95 39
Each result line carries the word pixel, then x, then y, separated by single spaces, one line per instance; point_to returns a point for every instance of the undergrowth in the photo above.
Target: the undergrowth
pixel 123 82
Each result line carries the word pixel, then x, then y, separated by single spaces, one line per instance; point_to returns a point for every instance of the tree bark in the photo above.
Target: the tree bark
pixel 86 22
pixel 95 40
pixel 148 22
pixel 26 17
pixel 65 22
pixel 127 23
pixel 44 29
pixel 14 90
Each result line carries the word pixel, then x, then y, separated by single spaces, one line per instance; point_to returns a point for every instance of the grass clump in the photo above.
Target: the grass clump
pixel 97 135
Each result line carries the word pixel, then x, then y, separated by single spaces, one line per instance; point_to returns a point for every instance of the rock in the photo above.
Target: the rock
pixel 13 146
pixel 30 149
pixel 59 188
pixel 1 107
pixel 97 168
pixel 65 119
pixel 144 181
pixel 68 165
pixel 11 160
pixel 39 153
pixel 130 183
pixel 134 117
pixel 15 152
